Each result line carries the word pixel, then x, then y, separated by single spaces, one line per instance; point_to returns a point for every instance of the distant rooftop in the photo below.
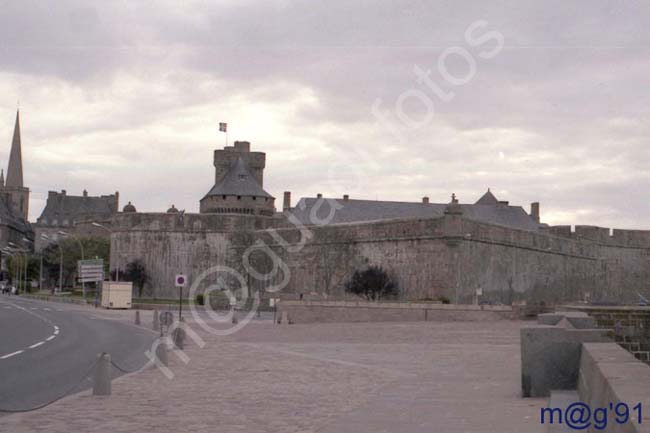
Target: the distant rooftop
pixel 371 210
pixel 64 209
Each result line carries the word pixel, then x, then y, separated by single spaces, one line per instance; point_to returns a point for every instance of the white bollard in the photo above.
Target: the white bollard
pixel 102 375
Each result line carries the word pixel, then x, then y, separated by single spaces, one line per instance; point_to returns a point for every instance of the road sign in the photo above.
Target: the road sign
pixel 96 262
pixel 181 280
pixel 90 271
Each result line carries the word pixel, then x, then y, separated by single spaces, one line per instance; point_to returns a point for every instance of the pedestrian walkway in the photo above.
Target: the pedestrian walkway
pixel 363 377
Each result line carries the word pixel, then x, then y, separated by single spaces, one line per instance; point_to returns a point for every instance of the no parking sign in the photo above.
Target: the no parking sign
pixel 180 281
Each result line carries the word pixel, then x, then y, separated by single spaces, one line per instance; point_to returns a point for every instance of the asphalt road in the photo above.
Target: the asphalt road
pixel 46 349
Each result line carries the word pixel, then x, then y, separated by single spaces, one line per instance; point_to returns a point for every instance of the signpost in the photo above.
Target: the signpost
pixel 91 271
pixel 181 280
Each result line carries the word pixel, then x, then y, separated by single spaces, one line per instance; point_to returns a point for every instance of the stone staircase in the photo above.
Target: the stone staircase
pixel 635 346
pixel 631 326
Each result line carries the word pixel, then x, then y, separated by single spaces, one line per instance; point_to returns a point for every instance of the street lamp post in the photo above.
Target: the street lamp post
pixel 58 244
pixel 117 271
pixel 21 277
pixel 26 241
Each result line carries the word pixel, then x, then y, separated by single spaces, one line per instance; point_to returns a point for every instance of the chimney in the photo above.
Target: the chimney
pixel 287 201
pixel 319 195
pixel 85 193
pixel 62 192
pixel 534 211
pixel 425 200
pixel 117 201
pixel 346 197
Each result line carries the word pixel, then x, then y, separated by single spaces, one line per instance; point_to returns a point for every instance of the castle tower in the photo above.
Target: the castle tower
pixel 239 176
pixel 225 159
pixel 14 188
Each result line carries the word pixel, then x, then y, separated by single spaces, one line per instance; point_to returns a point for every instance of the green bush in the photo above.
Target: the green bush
pixel 200 300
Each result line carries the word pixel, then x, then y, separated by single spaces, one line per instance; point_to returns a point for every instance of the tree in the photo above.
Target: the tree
pixel 137 274
pixel 71 249
pixel 373 283
pixel 16 267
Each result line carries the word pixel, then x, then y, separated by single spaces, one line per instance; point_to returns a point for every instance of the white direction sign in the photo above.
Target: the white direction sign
pixel 91 270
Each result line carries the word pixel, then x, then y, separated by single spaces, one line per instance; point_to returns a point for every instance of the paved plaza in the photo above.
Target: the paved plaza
pixel 329 378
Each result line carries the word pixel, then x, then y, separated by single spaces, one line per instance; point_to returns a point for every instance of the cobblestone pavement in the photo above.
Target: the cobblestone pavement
pixel 363 377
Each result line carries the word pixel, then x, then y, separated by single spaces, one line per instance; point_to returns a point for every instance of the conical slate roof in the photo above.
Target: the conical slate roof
pixel 488 199
pixel 238 181
pixel 15 171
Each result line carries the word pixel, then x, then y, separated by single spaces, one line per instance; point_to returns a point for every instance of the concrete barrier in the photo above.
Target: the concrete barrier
pixel 603 374
pixel 550 357
pixel 610 375
pixel 343 311
pixel 578 319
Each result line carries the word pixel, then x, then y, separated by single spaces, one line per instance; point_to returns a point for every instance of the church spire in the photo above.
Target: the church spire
pixel 15 170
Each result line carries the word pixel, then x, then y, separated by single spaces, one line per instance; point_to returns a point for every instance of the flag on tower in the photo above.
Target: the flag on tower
pixel 223 127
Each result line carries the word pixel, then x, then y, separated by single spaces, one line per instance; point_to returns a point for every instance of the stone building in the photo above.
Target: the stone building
pixel 15 230
pixel 432 249
pixel 73 215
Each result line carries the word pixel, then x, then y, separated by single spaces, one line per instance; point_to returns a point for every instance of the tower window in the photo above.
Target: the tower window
pixel 239 197
pixel 223 196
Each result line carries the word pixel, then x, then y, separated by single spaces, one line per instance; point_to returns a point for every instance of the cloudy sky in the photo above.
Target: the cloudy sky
pixel 540 101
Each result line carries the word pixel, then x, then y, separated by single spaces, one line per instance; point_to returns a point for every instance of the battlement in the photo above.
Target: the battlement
pixel 604 235
pixel 227 157
pixel 186 222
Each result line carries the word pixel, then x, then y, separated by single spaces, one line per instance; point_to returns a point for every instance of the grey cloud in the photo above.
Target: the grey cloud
pixel 569 86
